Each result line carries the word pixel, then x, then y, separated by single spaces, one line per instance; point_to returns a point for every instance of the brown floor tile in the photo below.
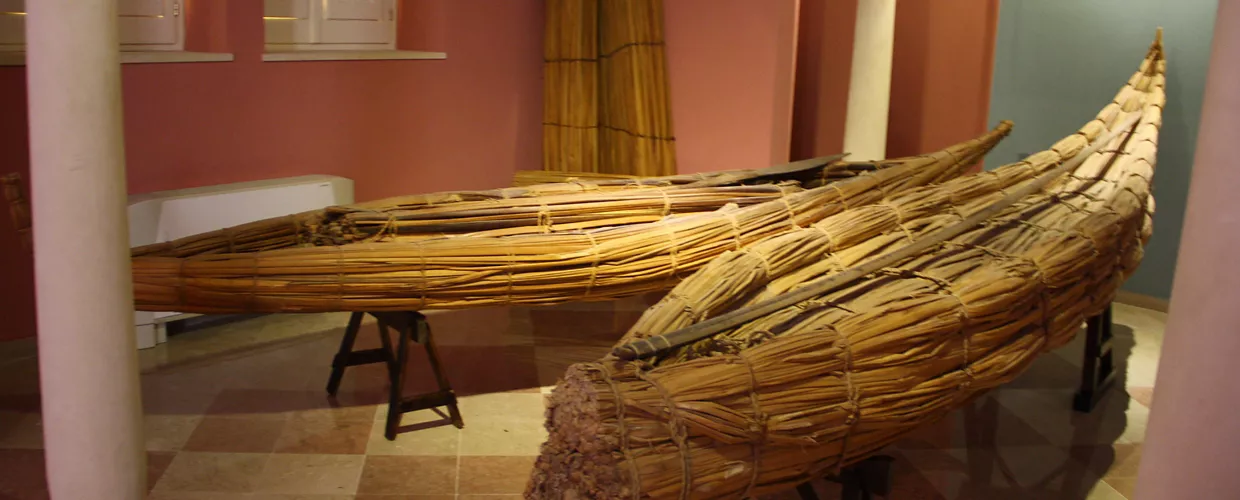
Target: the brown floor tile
pixel 554 361
pixel 406 497
pixel 494 475
pixel 475 369
pixel 212 472
pixel 489 497
pixel 236 434
pixel 561 327
pixel 310 474
pixel 23 476
pixel 484 326
pixel 402 475
pixel 316 434
pixel 156 463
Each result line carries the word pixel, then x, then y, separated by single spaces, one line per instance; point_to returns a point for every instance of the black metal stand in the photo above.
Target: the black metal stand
pixel 1097 370
pixel 859 481
pixel 410 325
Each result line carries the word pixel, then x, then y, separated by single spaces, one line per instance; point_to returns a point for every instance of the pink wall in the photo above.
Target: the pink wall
pixel 395 127
pixel 731 66
pixel 941 75
pixel 824 61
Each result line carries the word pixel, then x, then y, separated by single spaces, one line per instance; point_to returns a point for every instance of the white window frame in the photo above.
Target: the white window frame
pixel 304 25
pixel 171 22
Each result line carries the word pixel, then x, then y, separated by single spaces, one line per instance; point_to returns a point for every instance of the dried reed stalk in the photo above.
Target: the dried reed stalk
pixel 809 388
pixel 606 103
pixel 602 202
pixel 570 86
pixel 548 267
pixel 533 177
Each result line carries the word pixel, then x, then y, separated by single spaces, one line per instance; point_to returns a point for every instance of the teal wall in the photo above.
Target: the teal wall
pixel 1057 62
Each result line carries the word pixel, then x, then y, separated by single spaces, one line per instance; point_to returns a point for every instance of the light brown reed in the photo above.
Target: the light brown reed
pixel 629 256
pixel 807 389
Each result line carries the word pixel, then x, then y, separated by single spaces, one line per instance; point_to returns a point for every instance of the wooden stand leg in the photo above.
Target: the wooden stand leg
pixel 396 388
pixel 859 481
pixel 345 357
pixel 453 412
pixel 409 327
pixel 1098 366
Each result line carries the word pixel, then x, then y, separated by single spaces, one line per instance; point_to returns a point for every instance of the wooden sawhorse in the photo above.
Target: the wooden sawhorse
pixel 409 326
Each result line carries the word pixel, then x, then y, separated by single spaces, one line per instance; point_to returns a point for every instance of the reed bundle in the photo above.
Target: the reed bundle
pixel 494 267
pixel 606 103
pixel 797 393
pixel 570 86
pixel 534 208
pixel 532 177
pixel 635 118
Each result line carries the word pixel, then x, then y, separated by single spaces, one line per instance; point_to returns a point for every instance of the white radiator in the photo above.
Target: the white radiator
pixel 168 215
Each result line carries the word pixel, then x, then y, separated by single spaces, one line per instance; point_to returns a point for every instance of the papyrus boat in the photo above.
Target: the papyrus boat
pixel 809 350
pixel 584 240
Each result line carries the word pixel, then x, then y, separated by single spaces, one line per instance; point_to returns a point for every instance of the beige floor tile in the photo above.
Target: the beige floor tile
pixel 503 405
pixel 404 475
pixel 311 474
pixel 212 472
pixel 494 475
pixel 421 433
pixel 169 432
pixel 502 437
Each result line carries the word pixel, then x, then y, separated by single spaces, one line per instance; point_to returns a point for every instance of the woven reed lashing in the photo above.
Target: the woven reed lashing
pixel 541 268
pixel 533 177
pixel 606 102
pixel 572 205
pixel 806 389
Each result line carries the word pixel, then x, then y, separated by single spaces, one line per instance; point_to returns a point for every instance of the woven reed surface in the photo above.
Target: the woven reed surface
pixel 646 245
pixel 602 201
pixel 801 392
pixel 533 177
pixel 606 105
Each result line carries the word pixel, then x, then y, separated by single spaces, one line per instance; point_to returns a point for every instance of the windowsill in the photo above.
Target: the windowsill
pixel 350 55
pixel 19 58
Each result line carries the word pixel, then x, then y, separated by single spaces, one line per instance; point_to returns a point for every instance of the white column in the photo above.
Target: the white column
pixel 92 416
pixel 869 87
pixel 1192 442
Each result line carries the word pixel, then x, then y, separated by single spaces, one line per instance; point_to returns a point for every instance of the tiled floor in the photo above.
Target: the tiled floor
pixel 239 411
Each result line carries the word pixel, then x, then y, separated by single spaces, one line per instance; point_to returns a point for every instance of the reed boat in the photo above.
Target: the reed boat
pixel 588 239
pixel 809 350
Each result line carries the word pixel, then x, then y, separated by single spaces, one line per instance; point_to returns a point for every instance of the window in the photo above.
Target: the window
pixel 298 25
pixel 143 25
